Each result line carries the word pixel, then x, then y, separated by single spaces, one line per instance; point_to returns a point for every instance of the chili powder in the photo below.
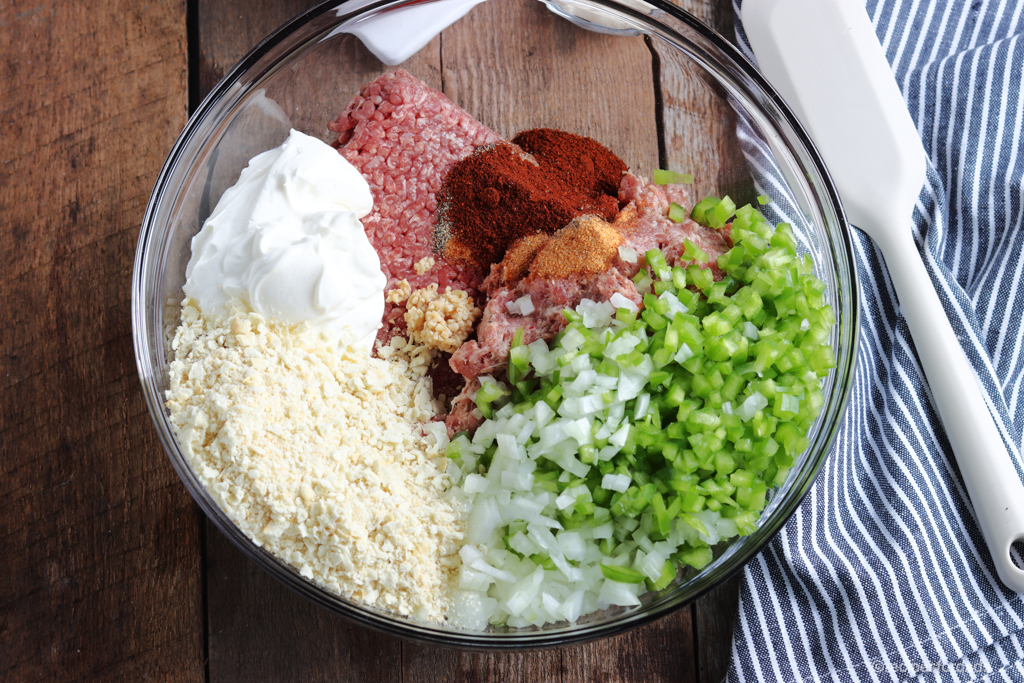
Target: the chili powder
pixel 534 185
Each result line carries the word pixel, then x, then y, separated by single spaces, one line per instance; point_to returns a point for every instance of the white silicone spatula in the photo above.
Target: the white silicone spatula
pixel 825 60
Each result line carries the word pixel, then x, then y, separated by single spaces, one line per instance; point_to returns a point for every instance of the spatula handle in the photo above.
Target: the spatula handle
pixel 991 479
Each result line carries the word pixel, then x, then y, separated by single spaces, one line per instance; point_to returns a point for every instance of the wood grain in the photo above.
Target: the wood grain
pixel 540 71
pixel 100 541
pixel 257 629
pixel 715 616
pixel 261 631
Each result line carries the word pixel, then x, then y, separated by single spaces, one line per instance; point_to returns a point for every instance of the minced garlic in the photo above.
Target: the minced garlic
pixel 440 321
pixel 400 293
pixel 423 265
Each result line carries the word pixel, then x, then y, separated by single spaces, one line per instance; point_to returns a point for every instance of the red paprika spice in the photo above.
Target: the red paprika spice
pixel 499 194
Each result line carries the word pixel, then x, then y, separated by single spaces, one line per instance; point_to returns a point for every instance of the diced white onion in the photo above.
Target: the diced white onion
pixel 595 314
pixel 684 353
pixel 619 437
pixel 525 304
pixel 572 545
pixel 627 254
pixel 675 306
pixel 615 593
pixel 484 568
pixel 753 403
pixel 619 301
pixel 471 580
pixel 643 403
pixel 542 413
pixel 474 484
pixel 522 544
pixel 616 482
pixel 516 481
pixel 439 432
pixel 483 520
pixel 524 592
pixel 579 430
pixel 573 606
pixel 652 565
pixel 572 339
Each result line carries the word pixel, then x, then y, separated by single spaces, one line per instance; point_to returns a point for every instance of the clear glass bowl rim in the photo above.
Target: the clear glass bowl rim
pixel 745 76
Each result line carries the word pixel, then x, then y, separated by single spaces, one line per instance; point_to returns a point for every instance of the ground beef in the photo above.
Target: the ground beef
pixel 489 352
pixel 652 227
pixel 404 137
pixel 464 417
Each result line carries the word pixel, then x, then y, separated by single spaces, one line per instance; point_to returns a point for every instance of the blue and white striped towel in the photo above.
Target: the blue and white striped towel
pixel 882 574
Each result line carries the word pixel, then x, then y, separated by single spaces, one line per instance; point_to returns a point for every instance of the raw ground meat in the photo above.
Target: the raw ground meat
pixel 489 352
pixel 654 229
pixel 649 228
pixel 404 137
pixel 464 417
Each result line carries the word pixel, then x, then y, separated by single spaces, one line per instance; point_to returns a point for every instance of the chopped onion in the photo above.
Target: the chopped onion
pixel 643 404
pixel 474 483
pixel 619 301
pixel 615 593
pixel 751 405
pixel 595 314
pixel 675 306
pixel 616 482
pixel 684 353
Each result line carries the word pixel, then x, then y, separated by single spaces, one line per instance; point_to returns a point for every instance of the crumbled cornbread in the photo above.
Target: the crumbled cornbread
pixel 324 456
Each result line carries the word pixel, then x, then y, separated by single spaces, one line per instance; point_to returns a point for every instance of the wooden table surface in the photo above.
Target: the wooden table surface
pixel 111 572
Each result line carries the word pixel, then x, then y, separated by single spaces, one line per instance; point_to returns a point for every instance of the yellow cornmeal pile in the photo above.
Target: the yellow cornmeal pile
pixel 320 455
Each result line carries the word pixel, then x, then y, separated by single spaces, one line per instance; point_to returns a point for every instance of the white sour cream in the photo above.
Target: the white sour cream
pixel 286 240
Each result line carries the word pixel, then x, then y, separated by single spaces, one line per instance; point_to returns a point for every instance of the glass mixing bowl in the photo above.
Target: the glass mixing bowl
pixel 666 92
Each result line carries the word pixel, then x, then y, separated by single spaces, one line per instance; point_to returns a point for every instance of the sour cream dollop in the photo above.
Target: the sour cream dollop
pixel 286 240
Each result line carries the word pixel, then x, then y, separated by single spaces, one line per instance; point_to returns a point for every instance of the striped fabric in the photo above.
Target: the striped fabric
pixel 882 574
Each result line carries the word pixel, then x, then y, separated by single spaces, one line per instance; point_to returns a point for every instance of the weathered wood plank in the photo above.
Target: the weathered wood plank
pixel 100 541
pixel 515 66
pixel 261 631
pixel 258 630
pixel 715 616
